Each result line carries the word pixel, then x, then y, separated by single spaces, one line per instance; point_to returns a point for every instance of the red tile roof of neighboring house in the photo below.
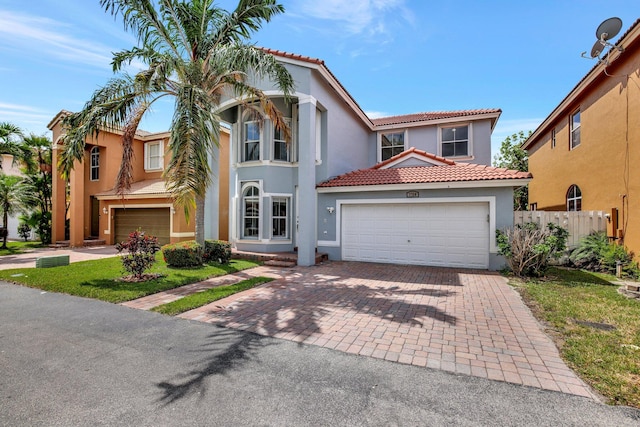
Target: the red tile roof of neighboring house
pixel 453 172
pixel 422 117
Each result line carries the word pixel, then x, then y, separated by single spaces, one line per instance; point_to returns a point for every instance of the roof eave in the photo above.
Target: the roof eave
pixel 492 183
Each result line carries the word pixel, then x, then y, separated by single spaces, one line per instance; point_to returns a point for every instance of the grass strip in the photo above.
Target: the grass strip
pixel 199 299
pixel 595 327
pixel 98 279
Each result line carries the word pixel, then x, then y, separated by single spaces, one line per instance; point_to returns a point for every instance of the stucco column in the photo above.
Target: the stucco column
pixel 58 199
pixel 212 198
pixel 306 237
pixel 76 205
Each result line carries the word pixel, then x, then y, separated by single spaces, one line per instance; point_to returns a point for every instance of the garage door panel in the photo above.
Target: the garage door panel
pixel 438 234
pixel 153 221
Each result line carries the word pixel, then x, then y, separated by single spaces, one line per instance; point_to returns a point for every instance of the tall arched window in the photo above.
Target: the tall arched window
pixel 251 212
pixel 95 163
pixel 574 198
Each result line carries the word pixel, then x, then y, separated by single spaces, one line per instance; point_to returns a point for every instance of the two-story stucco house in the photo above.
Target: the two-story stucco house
pixel 411 189
pixel 584 155
pixel 95 213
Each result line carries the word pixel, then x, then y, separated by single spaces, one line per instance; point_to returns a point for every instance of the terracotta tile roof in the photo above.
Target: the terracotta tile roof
pixel 457 172
pixel 141 188
pixel 437 115
pixel 407 153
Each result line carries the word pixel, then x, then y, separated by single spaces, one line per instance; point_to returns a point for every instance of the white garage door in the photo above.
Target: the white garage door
pixel 437 234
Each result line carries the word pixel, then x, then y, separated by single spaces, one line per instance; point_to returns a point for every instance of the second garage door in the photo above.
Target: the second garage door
pixel 436 234
pixel 153 221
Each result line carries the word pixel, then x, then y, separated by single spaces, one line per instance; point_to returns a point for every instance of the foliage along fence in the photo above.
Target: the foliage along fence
pixel 578 224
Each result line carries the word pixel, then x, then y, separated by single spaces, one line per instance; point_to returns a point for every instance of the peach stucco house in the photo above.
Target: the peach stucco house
pixel 585 155
pixel 97 213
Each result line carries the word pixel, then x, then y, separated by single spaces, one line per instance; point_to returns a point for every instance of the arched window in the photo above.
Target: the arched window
pixel 251 212
pixel 95 163
pixel 574 198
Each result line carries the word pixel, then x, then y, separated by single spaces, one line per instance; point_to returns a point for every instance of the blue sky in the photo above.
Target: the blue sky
pixel 393 56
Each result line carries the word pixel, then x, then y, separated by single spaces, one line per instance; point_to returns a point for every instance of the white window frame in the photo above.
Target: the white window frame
pixel 574 130
pixel 288 145
pixel 243 211
pixel 573 197
pixel 287 217
pixel 318 137
pixel 95 166
pixel 148 166
pixel 405 136
pixel 244 141
pixel 469 140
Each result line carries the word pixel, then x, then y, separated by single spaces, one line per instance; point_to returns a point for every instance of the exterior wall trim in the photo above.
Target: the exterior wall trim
pixel 427 186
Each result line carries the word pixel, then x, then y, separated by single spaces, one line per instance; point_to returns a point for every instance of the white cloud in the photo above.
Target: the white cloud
pixel 370 17
pixel 49 38
pixel 376 114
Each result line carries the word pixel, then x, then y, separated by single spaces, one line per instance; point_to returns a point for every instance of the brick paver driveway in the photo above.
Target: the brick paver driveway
pixel 462 321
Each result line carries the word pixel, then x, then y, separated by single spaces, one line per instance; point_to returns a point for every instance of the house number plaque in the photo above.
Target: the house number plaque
pixel 411 194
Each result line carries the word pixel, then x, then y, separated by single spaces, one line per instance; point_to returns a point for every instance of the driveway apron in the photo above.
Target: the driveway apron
pixel 461 321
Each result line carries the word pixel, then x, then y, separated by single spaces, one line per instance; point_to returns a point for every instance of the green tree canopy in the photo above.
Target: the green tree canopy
pixel 512 156
pixel 198 54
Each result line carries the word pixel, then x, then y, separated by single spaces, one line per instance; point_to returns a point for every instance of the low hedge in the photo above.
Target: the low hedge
pixel 217 251
pixel 183 254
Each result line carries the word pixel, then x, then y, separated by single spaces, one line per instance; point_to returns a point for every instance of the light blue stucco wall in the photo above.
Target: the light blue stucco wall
pixel 426 138
pixel 327 222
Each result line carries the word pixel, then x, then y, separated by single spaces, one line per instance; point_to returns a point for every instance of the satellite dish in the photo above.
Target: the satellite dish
pixel 597 49
pixel 608 29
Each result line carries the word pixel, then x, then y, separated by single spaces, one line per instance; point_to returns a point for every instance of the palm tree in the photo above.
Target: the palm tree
pixel 8 144
pixel 11 201
pixel 196 53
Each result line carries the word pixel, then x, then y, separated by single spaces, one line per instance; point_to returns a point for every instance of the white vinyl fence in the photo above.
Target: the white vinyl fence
pixel 579 224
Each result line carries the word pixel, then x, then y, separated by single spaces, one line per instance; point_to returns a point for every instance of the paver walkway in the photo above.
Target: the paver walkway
pixel 462 321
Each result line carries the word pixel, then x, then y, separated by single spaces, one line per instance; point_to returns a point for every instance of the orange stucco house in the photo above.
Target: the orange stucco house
pixel 96 213
pixel 586 153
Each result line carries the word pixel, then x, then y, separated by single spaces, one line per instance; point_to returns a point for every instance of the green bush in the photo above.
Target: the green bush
pixel 217 251
pixel 596 253
pixel 24 231
pixel 183 254
pixel 529 248
pixel 141 256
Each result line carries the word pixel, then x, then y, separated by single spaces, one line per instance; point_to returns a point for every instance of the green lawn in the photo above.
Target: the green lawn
pixel 98 279
pixel 199 299
pixel 596 329
pixel 14 248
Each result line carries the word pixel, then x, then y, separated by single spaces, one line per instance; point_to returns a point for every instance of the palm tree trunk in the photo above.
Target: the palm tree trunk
pixel 5 232
pixel 200 220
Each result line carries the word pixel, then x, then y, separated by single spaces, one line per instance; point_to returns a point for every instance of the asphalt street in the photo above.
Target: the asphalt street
pixel 68 361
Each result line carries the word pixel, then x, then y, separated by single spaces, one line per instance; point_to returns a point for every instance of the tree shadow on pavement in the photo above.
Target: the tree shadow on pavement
pixel 225 351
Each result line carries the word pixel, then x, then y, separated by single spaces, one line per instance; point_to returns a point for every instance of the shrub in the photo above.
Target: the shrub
pixel 596 253
pixel 24 231
pixel 528 248
pixel 183 254
pixel 141 256
pixel 217 251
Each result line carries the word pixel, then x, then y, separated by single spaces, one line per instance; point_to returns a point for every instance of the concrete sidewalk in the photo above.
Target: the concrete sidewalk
pixel 28 259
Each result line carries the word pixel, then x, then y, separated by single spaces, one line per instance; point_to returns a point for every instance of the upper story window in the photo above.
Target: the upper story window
pixel 575 129
pixel 153 156
pixel 251 142
pixel 95 163
pixel 553 138
pixel 281 148
pixel 391 144
pixel 455 141
pixel 574 198
pixel 251 212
